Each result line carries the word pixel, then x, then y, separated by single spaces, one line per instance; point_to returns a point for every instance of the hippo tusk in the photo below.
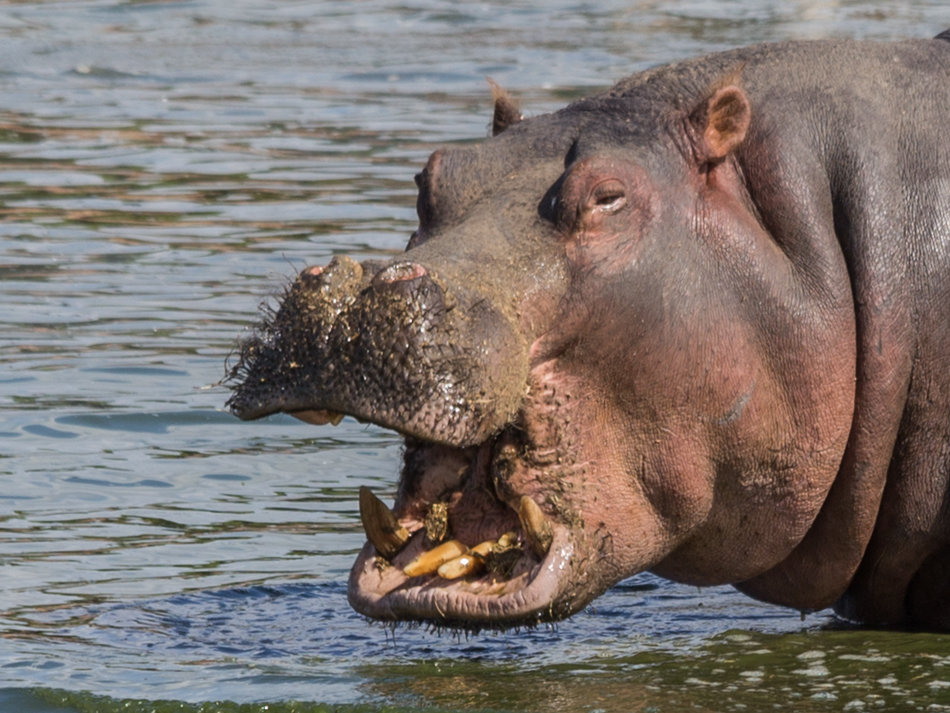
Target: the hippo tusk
pixel 461 566
pixel 381 526
pixel 537 529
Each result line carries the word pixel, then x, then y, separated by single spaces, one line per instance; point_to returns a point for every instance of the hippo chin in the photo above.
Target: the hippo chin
pixel 697 324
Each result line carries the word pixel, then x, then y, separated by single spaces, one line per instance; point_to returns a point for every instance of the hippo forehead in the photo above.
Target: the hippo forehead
pixel 541 148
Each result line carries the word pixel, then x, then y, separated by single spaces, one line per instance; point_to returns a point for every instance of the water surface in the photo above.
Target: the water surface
pixel 165 167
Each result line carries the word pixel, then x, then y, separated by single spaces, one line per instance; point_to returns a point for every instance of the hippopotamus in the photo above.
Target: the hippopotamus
pixel 696 324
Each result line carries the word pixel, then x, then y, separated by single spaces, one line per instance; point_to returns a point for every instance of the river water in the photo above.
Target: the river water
pixel 165 167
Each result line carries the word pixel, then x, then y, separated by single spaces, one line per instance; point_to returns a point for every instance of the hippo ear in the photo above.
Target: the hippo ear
pixel 721 122
pixel 507 111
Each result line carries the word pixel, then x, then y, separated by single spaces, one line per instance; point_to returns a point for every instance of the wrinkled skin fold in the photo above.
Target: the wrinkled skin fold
pixel 695 324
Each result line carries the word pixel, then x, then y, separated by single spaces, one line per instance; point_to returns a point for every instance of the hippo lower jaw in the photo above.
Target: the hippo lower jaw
pixel 523 561
pixel 527 597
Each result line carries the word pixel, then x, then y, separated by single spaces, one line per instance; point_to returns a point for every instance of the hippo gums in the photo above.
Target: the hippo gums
pixel 697 324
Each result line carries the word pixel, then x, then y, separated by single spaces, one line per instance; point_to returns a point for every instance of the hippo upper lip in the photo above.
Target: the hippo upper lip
pixel 250 410
pixel 392 346
pixel 258 392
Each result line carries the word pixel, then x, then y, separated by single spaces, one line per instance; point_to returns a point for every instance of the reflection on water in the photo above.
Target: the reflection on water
pixel 164 166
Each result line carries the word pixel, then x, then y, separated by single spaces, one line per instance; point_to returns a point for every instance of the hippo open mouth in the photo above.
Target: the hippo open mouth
pixel 460 547
pixel 457 553
pixel 467 543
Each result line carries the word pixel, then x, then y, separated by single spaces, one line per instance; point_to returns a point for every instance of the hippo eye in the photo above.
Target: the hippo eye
pixel 608 196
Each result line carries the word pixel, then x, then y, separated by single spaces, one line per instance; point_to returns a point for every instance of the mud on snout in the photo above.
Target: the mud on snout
pixel 384 344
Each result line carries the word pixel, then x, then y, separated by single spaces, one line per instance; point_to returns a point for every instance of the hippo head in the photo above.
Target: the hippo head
pixel 599 359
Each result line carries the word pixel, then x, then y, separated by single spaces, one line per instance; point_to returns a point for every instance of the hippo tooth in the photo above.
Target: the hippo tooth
pixel 461 566
pixel 429 562
pixel 483 549
pixel 471 563
pixel 381 526
pixel 536 528
pixel 437 522
pixel 507 541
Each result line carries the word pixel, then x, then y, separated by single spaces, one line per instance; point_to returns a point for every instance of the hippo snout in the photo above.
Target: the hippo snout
pixel 387 343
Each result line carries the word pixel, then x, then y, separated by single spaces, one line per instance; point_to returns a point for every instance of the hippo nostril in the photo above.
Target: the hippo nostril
pixel 341 276
pixel 404 293
pixel 399 272
pixel 311 277
pixel 320 294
